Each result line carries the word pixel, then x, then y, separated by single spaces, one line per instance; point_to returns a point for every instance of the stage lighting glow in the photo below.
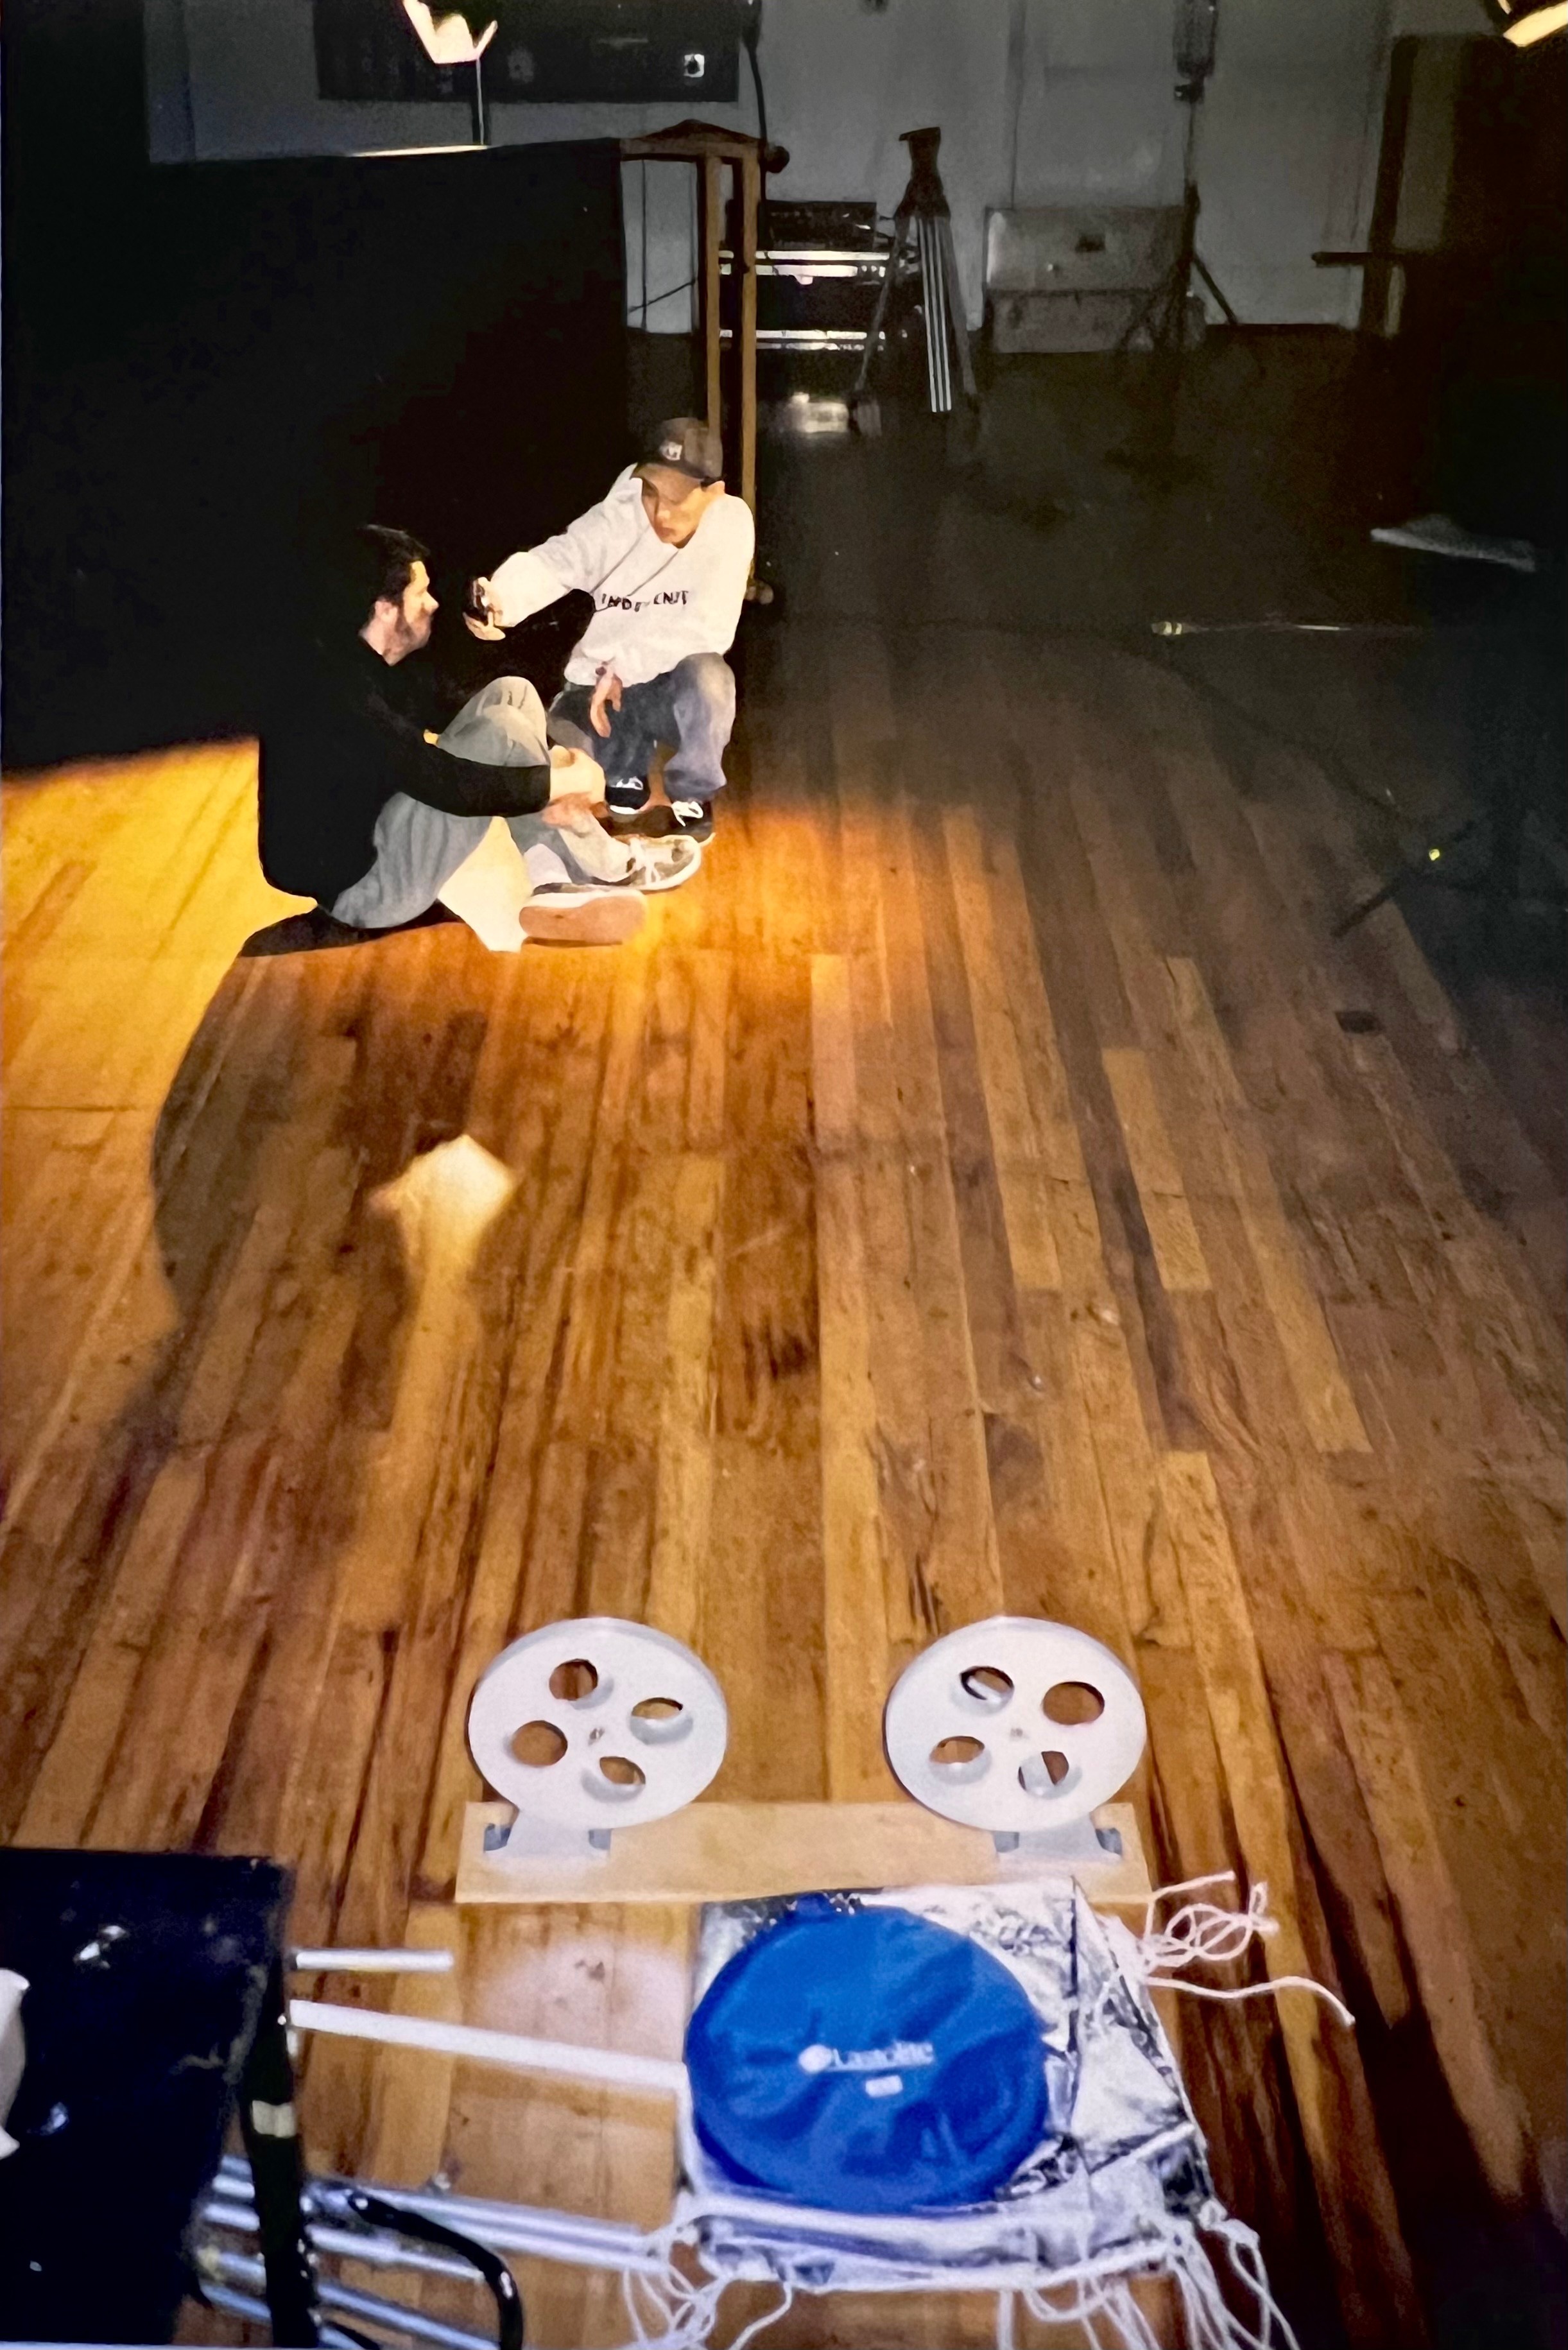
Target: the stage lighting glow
pixel 446 40
pixel 444 1200
pixel 468 1184
pixel 1536 28
pixel 1525 24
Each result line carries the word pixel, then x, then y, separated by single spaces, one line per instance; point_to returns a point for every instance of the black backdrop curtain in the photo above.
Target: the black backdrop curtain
pixel 213 367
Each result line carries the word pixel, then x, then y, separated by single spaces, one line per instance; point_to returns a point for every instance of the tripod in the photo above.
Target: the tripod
pixel 923 230
pixel 1512 655
pixel 1163 313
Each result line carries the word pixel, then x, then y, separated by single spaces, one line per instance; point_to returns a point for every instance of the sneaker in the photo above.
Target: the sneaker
pixel 653 865
pixel 692 819
pixel 662 864
pixel 626 797
pixel 562 915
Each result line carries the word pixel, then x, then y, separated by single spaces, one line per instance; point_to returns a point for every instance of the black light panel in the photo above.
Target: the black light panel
pixel 545 51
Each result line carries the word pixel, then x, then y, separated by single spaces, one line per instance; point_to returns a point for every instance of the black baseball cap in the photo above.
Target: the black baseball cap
pixel 685 444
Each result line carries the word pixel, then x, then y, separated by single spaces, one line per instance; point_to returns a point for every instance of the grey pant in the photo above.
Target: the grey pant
pixel 418 848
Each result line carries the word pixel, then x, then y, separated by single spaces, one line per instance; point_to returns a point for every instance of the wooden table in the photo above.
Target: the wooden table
pixel 711 149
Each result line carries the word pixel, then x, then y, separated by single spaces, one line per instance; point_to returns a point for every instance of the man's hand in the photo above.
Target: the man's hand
pixel 575 774
pixel 482 618
pixel 606 697
pixel 570 813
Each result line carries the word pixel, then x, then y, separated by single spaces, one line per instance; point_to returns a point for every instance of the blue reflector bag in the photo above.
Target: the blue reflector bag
pixel 867 2060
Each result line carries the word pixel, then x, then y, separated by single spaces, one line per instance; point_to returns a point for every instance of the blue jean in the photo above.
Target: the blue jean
pixel 691 710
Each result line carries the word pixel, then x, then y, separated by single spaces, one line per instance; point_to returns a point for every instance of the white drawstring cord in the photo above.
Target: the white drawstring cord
pixel 1246 2258
pixel 1202 1930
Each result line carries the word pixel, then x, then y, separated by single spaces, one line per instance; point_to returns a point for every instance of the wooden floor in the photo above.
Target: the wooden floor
pixel 984 1188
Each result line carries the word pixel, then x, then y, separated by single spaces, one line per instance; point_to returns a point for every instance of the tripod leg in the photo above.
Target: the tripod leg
pixel 923 262
pixel 941 299
pixel 879 317
pixel 1203 270
pixel 1138 322
pixel 955 306
pixel 1208 277
pixel 933 302
pixel 1413 870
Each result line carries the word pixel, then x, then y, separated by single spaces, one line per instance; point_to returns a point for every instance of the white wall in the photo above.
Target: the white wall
pixel 1039 101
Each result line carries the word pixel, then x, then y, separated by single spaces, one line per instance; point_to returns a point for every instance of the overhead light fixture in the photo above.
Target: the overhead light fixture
pixel 1525 24
pixel 446 40
pixel 449 41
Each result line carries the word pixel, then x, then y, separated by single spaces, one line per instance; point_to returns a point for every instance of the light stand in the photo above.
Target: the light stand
pixel 1162 314
pixel 447 41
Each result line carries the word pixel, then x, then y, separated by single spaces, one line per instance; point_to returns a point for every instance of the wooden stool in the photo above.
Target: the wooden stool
pixel 709 149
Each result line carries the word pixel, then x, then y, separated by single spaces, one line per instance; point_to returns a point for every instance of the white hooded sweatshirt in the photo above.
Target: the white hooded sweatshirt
pixel 653 604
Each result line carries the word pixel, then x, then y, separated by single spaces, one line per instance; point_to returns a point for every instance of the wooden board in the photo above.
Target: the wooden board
pixel 745 1852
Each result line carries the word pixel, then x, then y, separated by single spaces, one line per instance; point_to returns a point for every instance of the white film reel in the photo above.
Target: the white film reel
pixel 1014 1725
pixel 592 1725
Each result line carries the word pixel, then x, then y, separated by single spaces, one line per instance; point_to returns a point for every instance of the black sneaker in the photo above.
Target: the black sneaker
pixel 625 799
pixel 692 819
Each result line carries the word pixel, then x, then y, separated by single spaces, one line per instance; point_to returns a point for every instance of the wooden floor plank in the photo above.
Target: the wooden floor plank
pixel 1178 1252
pixel 962 1198
pixel 1325 1395
pixel 1370 1714
pixel 1014 1149
pixel 855 1617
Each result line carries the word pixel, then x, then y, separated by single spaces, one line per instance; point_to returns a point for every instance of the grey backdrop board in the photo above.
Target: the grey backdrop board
pixel 213 367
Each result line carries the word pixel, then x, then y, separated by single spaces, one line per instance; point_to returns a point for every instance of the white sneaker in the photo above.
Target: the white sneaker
pixel 652 865
pixel 660 864
pixel 581 918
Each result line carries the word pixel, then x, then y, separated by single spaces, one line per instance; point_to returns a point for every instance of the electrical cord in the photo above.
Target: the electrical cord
pixel 751 34
pixel 353 2201
pixel 769 157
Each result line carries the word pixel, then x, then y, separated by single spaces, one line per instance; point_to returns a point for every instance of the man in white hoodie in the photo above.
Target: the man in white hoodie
pixel 666 557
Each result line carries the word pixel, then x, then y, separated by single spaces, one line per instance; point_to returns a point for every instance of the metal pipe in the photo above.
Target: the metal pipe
pixel 372 1962
pixel 514 2227
pixel 614 2067
pixel 376 2251
pixel 1276 627
pixel 245 2304
pixel 411 2322
pixel 238 2268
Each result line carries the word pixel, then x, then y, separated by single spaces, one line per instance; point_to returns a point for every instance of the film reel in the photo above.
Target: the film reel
pixel 1016 1725
pixel 592 1725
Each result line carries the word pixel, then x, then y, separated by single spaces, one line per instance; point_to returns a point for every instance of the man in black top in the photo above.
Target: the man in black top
pixel 371 812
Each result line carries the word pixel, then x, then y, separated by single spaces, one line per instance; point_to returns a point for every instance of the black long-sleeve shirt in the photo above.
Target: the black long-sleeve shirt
pixel 333 754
